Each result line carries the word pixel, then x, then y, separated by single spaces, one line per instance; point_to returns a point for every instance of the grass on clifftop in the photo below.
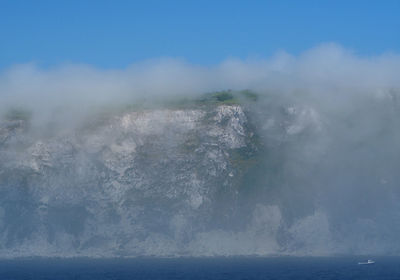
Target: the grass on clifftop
pixel 18 114
pixel 228 97
pixel 225 97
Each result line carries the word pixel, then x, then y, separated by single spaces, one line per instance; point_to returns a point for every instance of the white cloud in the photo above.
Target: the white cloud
pixel 81 87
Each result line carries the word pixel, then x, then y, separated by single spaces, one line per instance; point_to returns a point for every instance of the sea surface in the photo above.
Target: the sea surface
pixel 202 268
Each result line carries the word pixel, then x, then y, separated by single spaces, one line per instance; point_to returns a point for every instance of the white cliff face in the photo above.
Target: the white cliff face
pixel 141 183
pixel 203 181
pixel 230 129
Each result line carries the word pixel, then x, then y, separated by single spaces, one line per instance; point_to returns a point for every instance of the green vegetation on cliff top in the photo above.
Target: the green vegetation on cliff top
pixel 225 97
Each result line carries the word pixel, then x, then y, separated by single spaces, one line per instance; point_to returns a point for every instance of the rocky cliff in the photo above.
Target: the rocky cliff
pixel 215 179
pixel 139 183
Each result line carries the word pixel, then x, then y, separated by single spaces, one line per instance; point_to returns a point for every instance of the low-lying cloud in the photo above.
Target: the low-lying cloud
pixel 323 70
pixel 325 179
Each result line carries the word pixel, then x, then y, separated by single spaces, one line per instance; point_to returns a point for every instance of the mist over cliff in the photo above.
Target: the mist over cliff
pixel 290 155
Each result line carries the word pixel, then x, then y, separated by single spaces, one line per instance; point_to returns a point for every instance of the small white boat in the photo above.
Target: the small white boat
pixel 367 262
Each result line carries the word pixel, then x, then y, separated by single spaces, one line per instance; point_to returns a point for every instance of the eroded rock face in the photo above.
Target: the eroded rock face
pixel 140 183
pixel 207 180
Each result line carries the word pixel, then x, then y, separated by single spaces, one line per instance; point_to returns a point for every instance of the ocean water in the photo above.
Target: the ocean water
pixel 201 268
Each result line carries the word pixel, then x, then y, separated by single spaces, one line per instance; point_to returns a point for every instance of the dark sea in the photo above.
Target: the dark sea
pixel 202 268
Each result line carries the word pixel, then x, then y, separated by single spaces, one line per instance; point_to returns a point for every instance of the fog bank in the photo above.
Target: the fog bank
pixel 308 166
pixel 328 72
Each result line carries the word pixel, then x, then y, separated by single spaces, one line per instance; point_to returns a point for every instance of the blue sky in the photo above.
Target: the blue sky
pixel 115 34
